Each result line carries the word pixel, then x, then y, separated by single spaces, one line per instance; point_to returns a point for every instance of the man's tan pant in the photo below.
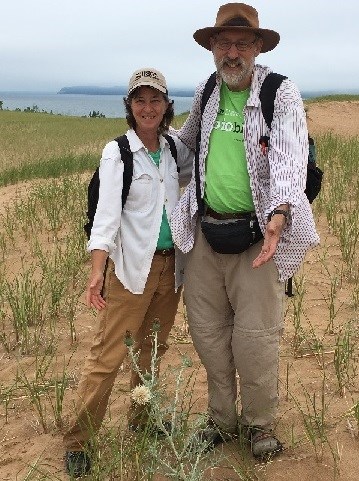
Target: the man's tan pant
pixel 235 316
pixel 124 312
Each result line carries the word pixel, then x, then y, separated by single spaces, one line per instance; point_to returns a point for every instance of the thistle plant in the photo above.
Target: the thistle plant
pixel 179 455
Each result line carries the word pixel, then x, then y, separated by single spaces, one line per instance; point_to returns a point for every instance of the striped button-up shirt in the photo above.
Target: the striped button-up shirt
pixel 276 177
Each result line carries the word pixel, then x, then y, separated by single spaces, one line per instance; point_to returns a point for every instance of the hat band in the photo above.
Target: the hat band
pixel 237 22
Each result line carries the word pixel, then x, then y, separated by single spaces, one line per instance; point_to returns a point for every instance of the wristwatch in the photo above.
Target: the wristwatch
pixel 278 211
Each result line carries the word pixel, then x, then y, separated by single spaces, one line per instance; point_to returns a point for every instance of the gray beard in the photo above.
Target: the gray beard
pixel 233 80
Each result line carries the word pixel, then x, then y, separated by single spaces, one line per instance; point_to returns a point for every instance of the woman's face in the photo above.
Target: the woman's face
pixel 148 107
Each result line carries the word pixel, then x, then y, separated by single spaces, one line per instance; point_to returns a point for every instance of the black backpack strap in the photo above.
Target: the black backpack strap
pixel 173 148
pixel 127 159
pixel 172 145
pixel 207 91
pixel 92 200
pixel 267 95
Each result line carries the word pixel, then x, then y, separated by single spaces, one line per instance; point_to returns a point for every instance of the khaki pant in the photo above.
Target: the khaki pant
pixel 235 316
pixel 124 312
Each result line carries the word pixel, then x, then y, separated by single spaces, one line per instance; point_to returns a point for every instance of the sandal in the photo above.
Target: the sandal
pixel 264 445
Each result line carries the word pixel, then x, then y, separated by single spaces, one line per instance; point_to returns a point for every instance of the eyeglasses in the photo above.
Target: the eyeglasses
pixel 241 46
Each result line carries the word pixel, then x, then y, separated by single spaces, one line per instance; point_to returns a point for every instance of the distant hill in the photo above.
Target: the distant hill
pixel 87 90
pixel 178 92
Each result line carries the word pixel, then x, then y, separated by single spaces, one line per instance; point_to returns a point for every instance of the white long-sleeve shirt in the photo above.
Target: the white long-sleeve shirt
pixel 276 178
pixel 130 235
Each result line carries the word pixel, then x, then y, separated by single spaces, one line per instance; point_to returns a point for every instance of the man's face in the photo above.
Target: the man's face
pixel 234 55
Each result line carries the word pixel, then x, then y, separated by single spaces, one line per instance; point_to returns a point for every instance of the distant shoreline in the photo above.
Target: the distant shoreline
pixel 83 90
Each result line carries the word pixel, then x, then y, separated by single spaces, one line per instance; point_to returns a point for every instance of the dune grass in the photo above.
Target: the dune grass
pixel 333 98
pixel 40 145
pixel 32 143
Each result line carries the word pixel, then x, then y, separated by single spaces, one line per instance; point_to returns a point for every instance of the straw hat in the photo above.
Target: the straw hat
pixel 237 17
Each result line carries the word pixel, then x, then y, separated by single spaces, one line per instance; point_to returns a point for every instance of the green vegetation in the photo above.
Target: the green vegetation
pixel 36 142
pixel 55 167
pixel 333 98
pixel 38 145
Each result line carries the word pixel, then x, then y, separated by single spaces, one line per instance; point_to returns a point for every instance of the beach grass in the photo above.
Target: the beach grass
pixel 333 98
pixel 40 145
pixel 32 139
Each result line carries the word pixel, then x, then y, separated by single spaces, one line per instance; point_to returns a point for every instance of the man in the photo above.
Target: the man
pixel 235 300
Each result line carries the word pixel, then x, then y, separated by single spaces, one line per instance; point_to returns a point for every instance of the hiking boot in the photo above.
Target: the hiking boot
pixel 77 463
pixel 209 437
pixel 264 445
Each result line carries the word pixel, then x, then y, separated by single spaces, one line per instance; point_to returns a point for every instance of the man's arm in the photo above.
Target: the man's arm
pixel 288 158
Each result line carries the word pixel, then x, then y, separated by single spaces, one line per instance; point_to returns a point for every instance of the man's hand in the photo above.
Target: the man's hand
pixel 271 238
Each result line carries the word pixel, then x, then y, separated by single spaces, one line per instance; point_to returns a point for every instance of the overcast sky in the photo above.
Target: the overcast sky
pixel 49 44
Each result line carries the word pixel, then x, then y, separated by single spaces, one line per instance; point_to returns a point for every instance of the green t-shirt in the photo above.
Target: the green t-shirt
pixel 165 237
pixel 227 187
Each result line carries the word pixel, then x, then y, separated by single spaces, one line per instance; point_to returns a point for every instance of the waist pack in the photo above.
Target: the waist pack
pixel 232 237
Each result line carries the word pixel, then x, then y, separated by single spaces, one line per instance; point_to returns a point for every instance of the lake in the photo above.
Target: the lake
pixel 77 105
pixel 81 105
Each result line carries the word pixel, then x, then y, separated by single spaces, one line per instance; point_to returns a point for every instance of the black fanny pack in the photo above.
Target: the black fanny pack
pixel 232 237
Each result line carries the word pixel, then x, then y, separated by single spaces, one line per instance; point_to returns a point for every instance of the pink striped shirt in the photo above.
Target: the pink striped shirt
pixel 276 178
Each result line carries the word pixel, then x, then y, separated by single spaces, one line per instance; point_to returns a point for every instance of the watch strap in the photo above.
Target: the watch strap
pixel 279 211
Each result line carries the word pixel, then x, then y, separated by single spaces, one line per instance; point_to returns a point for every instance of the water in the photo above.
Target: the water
pixel 77 105
pixel 81 105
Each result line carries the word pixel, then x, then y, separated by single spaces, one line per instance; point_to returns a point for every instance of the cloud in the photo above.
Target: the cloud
pixel 48 44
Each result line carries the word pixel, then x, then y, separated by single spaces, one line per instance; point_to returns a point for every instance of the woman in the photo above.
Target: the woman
pixel 132 281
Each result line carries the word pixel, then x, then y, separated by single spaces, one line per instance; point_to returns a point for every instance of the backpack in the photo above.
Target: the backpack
pixel 127 159
pixel 266 96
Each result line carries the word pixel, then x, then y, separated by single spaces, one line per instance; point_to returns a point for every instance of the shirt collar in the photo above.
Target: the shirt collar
pixel 136 143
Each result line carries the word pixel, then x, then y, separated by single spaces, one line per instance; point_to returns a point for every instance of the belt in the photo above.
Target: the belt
pixel 165 252
pixel 233 215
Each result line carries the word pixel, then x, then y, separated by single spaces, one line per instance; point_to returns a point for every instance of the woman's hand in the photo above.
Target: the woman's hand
pixel 93 293
pixel 94 288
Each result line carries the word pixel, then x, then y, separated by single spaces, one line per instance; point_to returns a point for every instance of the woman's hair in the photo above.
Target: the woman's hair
pixel 167 117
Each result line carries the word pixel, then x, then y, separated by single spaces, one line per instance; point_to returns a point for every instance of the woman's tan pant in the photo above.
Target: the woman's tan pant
pixel 235 316
pixel 124 312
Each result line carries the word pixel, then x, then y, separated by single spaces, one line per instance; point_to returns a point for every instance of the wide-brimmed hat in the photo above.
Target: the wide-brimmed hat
pixel 149 77
pixel 237 16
